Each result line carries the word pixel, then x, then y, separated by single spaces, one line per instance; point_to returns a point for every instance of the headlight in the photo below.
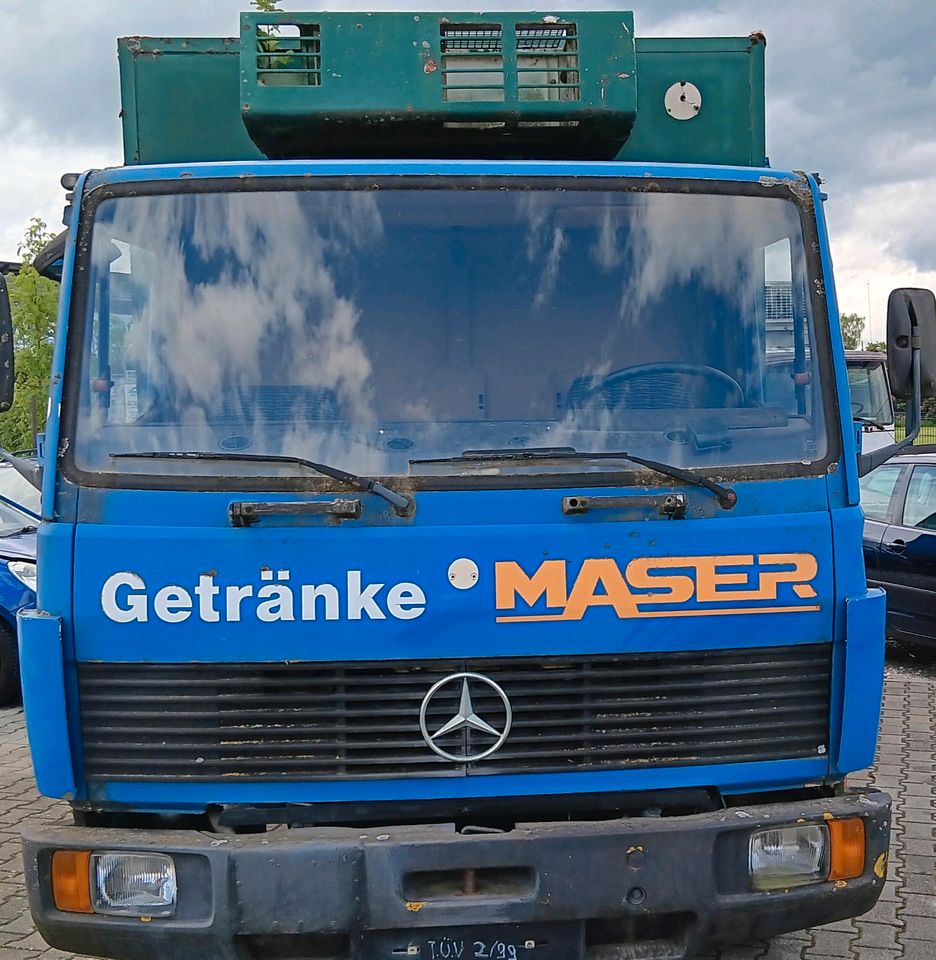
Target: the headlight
pixel 133 884
pixel 789 856
pixel 25 572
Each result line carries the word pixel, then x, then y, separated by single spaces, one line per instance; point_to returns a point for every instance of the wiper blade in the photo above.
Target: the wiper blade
pixel 725 496
pixel 506 453
pixel 870 422
pixel 400 501
pixel 512 453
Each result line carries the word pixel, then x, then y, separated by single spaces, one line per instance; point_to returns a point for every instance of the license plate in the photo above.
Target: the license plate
pixel 545 941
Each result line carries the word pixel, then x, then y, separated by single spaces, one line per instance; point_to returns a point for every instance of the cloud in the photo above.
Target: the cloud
pixel 58 63
pixel 29 187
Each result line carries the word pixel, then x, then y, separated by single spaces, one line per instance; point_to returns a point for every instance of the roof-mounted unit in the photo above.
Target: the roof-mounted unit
pixel 438 85
pixel 420 85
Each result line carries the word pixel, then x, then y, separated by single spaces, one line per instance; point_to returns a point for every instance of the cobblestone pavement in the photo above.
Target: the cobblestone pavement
pixel 901 927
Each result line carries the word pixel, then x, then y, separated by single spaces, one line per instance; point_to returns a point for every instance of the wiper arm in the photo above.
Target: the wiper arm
pixel 871 422
pixel 400 501
pixel 725 496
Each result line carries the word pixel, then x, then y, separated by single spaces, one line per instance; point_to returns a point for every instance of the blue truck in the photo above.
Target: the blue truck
pixel 429 566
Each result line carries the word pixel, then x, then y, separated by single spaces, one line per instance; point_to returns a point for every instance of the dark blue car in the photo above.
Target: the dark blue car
pixel 17 587
pixel 899 501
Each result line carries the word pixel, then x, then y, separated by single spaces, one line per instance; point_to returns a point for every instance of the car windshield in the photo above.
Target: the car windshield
pixel 13 521
pixel 870 398
pixel 377 329
pixel 18 489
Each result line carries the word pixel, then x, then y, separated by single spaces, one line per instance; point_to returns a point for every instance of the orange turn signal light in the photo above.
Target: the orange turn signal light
pixel 847 848
pixel 71 881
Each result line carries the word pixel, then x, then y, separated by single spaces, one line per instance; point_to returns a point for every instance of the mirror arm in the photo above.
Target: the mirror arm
pixel 869 461
pixel 31 472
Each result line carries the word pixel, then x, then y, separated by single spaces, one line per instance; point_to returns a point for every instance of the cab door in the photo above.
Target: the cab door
pixel 908 556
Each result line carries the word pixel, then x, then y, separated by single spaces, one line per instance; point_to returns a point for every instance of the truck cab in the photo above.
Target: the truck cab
pixel 871 400
pixel 430 561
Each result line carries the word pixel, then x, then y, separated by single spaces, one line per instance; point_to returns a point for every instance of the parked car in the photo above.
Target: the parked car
pixel 899 501
pixel 18 489
pixel 17 587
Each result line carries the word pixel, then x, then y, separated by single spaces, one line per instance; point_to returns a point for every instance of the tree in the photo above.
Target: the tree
pixel 36 237
pixel 852 329
pixel 34 303
pixel 876 346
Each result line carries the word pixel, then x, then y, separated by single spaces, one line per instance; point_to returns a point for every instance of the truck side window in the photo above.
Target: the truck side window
pixel 877 488
pixel 867 388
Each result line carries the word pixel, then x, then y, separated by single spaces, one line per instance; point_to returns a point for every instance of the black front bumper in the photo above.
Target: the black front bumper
pixel 670 884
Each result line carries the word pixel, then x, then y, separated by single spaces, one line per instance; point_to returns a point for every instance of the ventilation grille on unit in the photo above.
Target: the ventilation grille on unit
pixel 289 54
pixel 547 61
pixel 472 62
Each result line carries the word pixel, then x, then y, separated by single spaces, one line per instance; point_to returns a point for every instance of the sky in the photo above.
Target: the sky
pixel 851 93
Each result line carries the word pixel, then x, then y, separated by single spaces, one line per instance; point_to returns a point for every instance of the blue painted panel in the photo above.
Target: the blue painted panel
pixel 526 528
pixel 181 508
pixel 54 542
pixel 731 778
pixel 55 548
pixel 452 168
pixel 863 680
pixel 51 440
pixel 847 530
pixel 847 478
pixel 40 645
pixel 188 535
pixel 847 527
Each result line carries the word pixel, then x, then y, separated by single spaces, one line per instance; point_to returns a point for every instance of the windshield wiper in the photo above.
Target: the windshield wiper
pixel 871 422
pixel 400 501
pixel 725 496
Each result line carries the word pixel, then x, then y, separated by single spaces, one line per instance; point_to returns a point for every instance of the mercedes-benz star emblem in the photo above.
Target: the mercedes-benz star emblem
pixel 465 718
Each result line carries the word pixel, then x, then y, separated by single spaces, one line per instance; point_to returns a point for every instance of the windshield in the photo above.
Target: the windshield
pixel 18 489
pixel 870 398
pixel 375 329
pixel 12 521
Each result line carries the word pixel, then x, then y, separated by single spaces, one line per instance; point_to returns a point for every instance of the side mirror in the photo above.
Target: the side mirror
pixel 911 322
pixel 911 361
pixel 7 379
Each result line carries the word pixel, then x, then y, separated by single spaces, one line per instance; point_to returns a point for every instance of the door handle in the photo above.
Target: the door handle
pixel 896 546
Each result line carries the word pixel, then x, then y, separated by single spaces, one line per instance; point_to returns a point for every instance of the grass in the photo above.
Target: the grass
pixel 927 432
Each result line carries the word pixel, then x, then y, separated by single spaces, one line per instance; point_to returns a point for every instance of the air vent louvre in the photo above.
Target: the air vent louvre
pixel 472 62
pixel 547 61
pixel 289 54
pixel 318 721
